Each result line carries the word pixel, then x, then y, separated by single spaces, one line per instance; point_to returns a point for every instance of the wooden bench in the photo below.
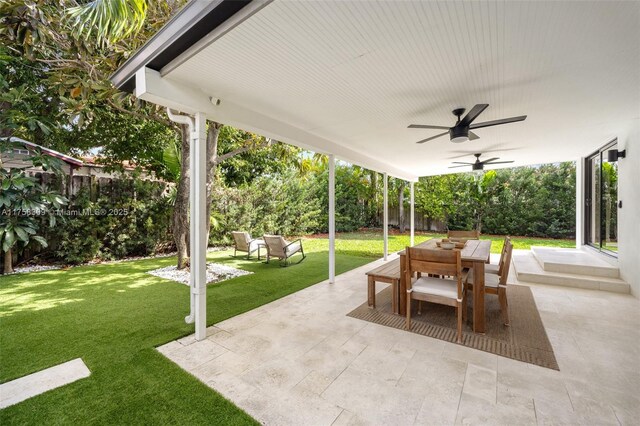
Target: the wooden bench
pixel 387 273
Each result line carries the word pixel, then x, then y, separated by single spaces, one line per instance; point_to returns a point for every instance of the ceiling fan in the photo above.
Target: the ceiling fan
pixel 479 165
pixel 461 131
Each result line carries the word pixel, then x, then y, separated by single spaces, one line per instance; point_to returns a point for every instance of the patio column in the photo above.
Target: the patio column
pixel 198 210
pixel 332 218
pixel 580 202
pixel 412 220
pixel 385 219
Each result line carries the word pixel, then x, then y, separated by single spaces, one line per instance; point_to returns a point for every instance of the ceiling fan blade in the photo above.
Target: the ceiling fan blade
pixel 490 160
pixel 473 136
pixel 433 137
pixel 473 114
pixel 499 162
pixel 498 122
pixel 461 162
pixel 463 165
pixel 426 126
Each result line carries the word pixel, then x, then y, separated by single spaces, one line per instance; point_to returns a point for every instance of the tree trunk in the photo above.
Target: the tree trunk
pixel 8 262
pixel 401 206
pixel 213 132
pixel 5 131
pixel 180 219
pixel 374 198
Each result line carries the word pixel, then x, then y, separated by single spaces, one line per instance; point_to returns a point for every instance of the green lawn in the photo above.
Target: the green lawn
pixel 112 316
pixel 369 243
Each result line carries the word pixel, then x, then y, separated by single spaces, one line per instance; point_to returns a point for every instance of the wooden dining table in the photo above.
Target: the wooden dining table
pixel 474 255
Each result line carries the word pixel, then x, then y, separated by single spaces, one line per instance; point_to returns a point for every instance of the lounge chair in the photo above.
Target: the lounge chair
pixel 280 248
pixel 244 242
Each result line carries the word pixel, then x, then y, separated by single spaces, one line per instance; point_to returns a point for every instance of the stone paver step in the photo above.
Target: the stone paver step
pixel 34 384
pixel 528 269
pixel 574 261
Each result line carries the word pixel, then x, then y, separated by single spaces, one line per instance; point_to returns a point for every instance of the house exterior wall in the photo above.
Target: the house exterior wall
pixel 629 214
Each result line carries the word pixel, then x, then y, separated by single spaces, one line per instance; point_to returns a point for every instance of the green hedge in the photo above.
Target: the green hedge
pixel 131 219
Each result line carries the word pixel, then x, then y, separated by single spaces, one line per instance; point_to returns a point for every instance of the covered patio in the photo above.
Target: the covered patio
pixel 346 79
pixel 301 360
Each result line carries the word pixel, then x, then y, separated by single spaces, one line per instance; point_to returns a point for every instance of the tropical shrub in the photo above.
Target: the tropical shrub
pixel 272 204
pixel 24 207
pixel 353 193
pixel 131 219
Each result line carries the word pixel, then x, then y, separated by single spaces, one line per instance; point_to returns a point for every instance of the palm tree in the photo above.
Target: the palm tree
pixel 111 20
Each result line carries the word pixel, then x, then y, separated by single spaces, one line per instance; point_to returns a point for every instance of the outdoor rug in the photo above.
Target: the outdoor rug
pixel 525 340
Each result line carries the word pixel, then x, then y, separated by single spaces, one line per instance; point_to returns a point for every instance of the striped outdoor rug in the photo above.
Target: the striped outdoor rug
pixel 525 340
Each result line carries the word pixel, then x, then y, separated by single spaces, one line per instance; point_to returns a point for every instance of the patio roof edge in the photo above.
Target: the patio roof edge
pixel 152 87
pixel 191 24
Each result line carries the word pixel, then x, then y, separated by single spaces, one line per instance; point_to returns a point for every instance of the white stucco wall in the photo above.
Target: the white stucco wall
pixel 629 214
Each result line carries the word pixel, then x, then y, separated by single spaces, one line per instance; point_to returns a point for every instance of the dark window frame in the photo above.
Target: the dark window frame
pixel 588 197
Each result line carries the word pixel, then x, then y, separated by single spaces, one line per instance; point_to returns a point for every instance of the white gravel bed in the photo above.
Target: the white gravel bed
pixel 40 268
pixel 215 273
pixel 34 268
pixel 155 256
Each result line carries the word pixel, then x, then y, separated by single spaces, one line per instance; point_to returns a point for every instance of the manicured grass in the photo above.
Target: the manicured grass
pixel 369 243
pixel 112 316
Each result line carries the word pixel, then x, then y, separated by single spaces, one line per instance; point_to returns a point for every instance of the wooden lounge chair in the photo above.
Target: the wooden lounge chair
pixel 497 284
pixel 492 268
pixel 244 242
pixel 444 291
pixel 469 235
pixel 280 248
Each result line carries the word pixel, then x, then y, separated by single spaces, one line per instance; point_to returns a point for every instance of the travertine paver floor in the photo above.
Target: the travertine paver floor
pixel 301 361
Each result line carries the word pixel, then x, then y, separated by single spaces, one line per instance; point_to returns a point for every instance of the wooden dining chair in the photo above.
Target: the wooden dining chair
pixel 469 235
pixel 496 284
pixel 492 268
pixel 429 264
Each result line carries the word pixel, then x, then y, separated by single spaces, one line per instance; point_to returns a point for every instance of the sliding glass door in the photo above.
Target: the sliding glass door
pixel 601 200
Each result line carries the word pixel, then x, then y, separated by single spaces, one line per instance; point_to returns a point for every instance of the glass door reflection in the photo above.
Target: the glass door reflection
pixel 601 200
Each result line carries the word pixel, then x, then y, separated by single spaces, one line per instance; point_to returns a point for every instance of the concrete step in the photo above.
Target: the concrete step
pixel 575 261
pixel 529 270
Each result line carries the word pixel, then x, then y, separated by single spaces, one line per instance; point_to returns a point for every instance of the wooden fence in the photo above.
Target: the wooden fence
pixel 97 185
pixel 422 222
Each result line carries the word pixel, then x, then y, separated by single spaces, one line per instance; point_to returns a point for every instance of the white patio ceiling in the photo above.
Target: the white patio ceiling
pixel 348 77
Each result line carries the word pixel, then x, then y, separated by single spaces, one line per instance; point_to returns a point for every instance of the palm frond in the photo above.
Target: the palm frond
pixel 108 20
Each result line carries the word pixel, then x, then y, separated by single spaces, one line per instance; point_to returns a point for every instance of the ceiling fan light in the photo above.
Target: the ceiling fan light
pixel 459 139
pixel 459 134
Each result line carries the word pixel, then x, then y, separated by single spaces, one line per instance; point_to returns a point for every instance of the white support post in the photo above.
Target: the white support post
pixel 198 210
pixel 191 318
pixel 385 220
pixel 580 202
pixel 332 218
pixel 412 225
